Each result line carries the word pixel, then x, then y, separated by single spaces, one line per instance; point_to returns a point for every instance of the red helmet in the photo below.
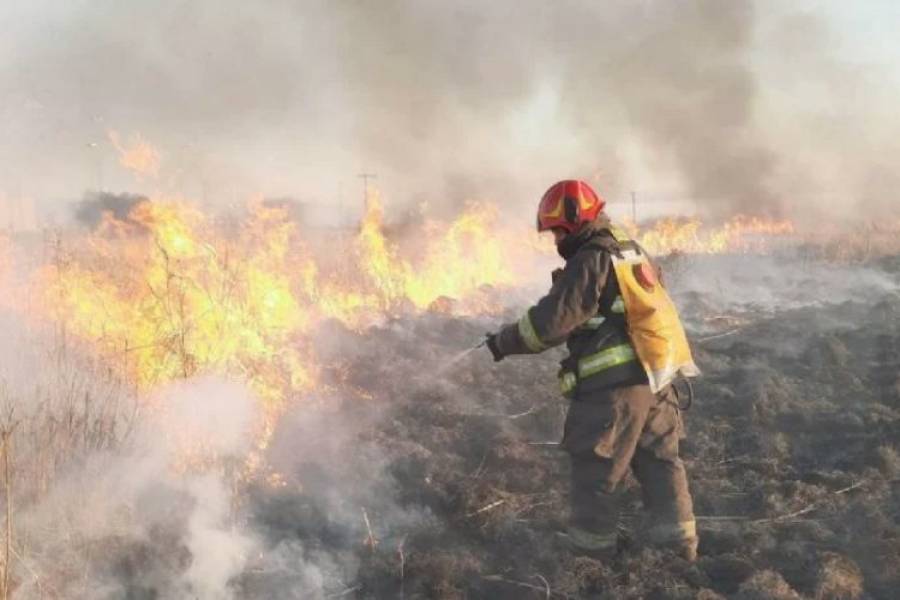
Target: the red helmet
pixel 568 205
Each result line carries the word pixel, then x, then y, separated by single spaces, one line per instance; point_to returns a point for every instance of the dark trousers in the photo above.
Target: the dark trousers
pixel 609 431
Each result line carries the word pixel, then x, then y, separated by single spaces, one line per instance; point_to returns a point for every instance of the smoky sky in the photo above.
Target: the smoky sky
pixel 730 105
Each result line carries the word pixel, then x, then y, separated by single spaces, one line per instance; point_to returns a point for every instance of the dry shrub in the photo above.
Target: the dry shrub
pixel 887 461
pixel 835 352
pixel 727 571
pixel 766 585
pixel 839 578
pixel 73 407
pixel 861 243
pixel 58 407
pixel 706 594
pixel 440 574
pixel 585 575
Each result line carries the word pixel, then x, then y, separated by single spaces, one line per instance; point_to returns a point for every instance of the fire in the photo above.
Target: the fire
pixel 170 293
pixel 740 234
pixel 138 156
pixel 165 297
pixel 466 256
pixel 459 259
pixel 374 276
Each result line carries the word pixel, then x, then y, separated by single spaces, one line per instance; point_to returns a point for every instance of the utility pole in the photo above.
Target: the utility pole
pixel 366 177
pixel 634 208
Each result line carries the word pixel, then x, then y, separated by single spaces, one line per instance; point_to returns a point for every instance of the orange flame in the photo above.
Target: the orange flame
pixel 459 259
pixel 739 235
pixel 171 299
pixel 138 156
pixel 168 293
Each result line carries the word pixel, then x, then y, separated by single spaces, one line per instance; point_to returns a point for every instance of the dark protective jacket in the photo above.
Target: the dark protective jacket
pixel 584 309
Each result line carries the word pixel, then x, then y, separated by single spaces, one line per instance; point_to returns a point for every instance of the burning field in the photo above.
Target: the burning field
pixel 244 407
pixel 226 374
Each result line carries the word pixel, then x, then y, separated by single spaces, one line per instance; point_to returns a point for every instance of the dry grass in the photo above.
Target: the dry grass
pixel 839 579
pixel 766 585
pixel 858 244
pixel 69 408
pixel 76 409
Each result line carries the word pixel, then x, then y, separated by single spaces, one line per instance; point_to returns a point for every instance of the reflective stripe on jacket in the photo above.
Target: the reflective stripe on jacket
pixel 584 309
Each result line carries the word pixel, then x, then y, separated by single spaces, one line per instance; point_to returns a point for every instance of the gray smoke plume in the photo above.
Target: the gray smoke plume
pixel 742 106
pixel 90 210
pixel 689 92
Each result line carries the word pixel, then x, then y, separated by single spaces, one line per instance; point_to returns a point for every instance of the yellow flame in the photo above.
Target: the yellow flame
pixel 466 255
pixel 458 260
pixel 168 293
pixel 692 236
pixel 176 299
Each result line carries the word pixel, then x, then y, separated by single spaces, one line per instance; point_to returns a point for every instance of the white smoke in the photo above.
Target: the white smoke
pixel 754 286
pixel 746 106
pixel 132 521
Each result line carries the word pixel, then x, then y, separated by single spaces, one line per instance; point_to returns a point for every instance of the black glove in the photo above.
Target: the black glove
pixel 491 343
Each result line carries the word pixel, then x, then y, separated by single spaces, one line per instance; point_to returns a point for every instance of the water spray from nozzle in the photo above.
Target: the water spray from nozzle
pixel 459 356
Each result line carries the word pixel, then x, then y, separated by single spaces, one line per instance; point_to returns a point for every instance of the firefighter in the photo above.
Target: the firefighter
pixel 620 328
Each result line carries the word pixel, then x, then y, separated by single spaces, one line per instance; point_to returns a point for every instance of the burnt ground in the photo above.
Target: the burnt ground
pixel 417 476
pixel 792 451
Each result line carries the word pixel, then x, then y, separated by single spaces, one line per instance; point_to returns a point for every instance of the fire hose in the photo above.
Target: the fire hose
pixel 684 398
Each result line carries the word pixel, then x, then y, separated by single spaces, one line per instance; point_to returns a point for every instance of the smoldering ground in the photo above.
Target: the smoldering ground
pixel 795 414
pixel 746 286
pixel 125 496
pixel 409 479
pixel 414 480
pixel 740 106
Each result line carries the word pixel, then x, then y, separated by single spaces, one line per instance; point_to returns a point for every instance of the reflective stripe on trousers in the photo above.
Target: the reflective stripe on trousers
pixel 583 539
pixel 672 532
